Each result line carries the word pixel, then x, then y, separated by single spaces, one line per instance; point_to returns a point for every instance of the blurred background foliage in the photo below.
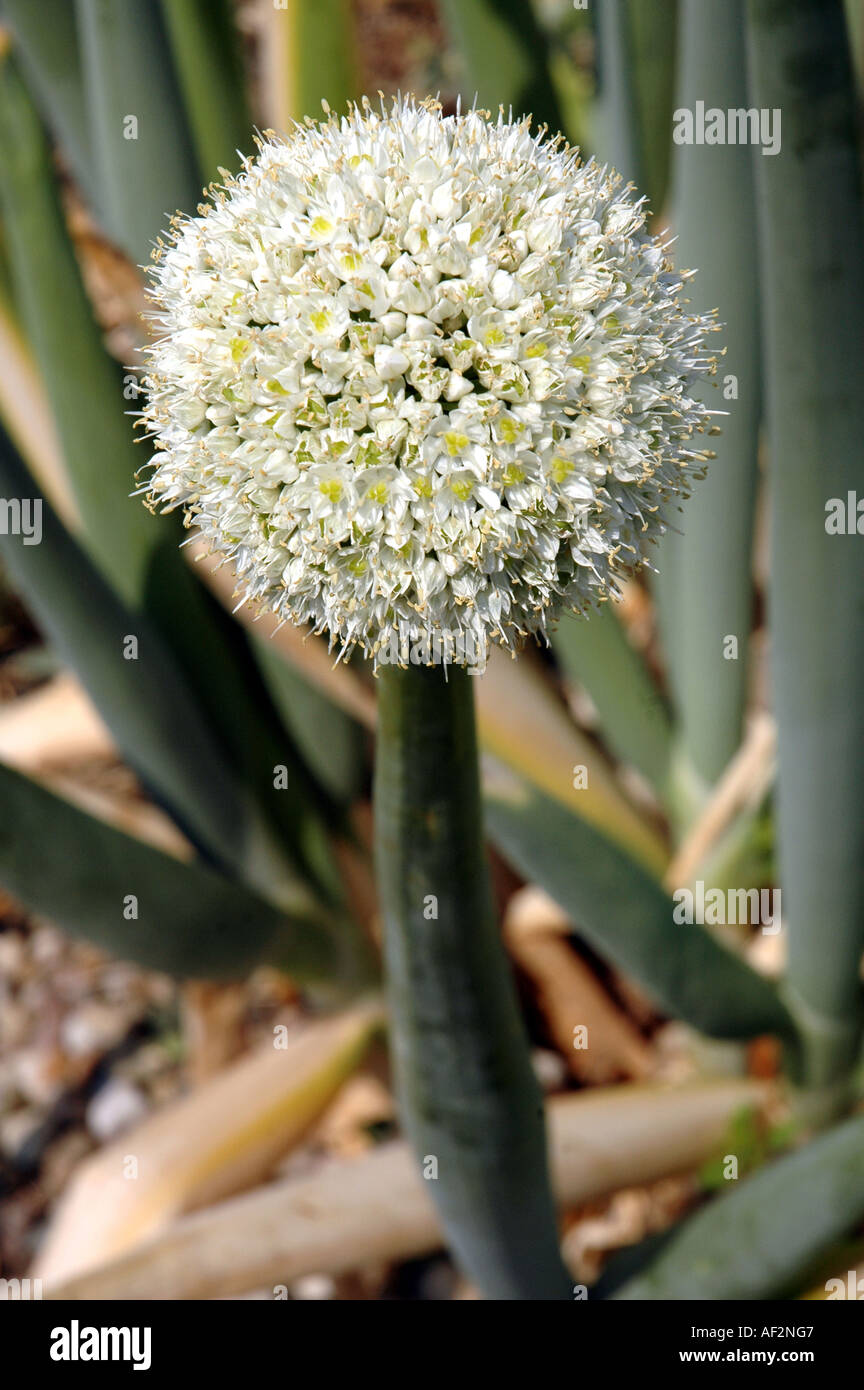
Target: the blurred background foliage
pixel 636 757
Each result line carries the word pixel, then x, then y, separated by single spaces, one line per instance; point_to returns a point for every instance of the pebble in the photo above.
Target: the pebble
pixel 115 1108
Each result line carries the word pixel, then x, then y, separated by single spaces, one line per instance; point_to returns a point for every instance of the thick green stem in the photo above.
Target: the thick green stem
pixel 469 1100
pixel 208 57
pixel 811 224
pixel 616 132
pixel 705 591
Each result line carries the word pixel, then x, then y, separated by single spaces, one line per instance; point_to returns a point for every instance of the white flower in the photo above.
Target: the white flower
pixel 423 375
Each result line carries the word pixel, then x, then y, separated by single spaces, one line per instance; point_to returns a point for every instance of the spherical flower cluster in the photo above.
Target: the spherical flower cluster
pixel 422 376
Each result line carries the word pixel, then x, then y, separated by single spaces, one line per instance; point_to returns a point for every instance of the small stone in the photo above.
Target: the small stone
pixel 313 1288
pixel 93 1028
pixel 115 1108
